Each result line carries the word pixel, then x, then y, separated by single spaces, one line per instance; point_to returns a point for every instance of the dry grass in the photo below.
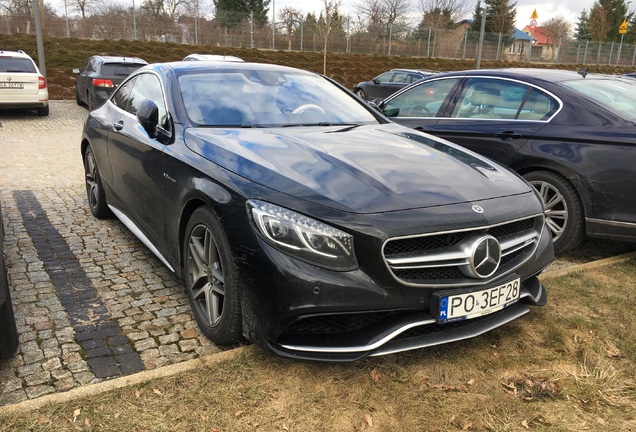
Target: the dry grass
pixel 569 366
pixel 62 55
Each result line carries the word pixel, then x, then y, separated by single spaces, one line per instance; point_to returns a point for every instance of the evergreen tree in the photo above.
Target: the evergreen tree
pixel 231 12
pixel 582 31
pixel 475 26
pixel 500 16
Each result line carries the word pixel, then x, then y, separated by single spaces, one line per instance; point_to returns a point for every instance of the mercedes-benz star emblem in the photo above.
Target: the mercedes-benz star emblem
pixel 484 256
pixel 477 209
pixel 8 78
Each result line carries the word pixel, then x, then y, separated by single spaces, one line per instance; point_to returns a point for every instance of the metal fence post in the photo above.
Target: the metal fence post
pixel 558 51
pixel 390 34
pixel 498 46
pixel 251 29
pixel 428 44
pixel 634 57
pixel 609 62
pixel 587 41
pixel 465 41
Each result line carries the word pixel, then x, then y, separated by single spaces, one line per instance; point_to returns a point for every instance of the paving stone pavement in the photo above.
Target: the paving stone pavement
pixel 91 301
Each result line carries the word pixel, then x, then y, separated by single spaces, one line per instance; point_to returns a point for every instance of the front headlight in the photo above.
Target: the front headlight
pixel 303 237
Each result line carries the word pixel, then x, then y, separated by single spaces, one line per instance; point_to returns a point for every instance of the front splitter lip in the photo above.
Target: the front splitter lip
pixel 390 342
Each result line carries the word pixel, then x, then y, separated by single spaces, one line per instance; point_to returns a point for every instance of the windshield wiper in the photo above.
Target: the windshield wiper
pixel 350 125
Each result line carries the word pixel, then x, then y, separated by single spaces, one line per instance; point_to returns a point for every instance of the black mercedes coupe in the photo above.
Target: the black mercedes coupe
pixel 303 220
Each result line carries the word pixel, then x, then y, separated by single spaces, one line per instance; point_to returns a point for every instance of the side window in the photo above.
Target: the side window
pixel 384 78
pixel 92 65
pixel 538 106
pixel 424 100
pixel 490 98
pixel 400 78
pixel 121 98
pixel 147 86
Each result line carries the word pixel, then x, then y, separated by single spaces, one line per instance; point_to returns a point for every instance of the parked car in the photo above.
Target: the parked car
pixel 570 134
pixel 389 82
pixel 217 57
pixel 303 220
pixel 99 77
pixel 22 86
pixel 8 329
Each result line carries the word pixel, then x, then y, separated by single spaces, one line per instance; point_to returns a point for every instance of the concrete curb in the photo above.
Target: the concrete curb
pixel 167 371
pixel 129 380
pixel 587 266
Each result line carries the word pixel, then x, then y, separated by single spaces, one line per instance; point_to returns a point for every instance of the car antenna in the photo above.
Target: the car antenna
pixel 583 72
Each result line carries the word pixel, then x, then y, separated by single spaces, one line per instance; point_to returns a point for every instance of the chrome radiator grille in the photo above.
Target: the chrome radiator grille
pixel 440 259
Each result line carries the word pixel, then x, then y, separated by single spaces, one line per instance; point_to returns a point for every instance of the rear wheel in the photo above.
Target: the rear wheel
pixel 562 208
pixel 91 104
pixel 94 188
pixel 211 279
pixel 77 97
pixel 44 111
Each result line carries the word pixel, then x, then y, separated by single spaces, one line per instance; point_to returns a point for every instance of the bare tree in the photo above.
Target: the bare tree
pixel 438 13
pixel 555 30
pixel 290 17
pixel 325 23
pixel 384 16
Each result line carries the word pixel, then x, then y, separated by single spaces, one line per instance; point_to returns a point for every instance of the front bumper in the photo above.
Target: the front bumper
pixel 301 311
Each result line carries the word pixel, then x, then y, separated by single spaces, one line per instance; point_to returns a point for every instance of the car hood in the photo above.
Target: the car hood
pixel 365 169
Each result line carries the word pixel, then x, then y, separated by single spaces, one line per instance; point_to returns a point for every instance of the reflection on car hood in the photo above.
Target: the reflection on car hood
pixel 367 169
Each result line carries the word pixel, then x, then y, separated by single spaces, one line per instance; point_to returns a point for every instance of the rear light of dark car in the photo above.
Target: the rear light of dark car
pixel 103 83
pixel 41 82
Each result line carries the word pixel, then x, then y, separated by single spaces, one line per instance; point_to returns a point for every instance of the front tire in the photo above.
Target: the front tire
pixel 361 94
pixel 562 208
pixel 211 279
pixel 94 189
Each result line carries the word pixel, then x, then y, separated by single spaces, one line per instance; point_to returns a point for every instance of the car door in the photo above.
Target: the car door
pixel 421 106
pixel 495 116
pixel 376 88
pixel 135 158
pixel 85 78
pixel 398 81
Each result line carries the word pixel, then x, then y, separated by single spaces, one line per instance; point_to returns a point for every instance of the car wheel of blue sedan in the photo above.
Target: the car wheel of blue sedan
pixel 562 208
pixel 211 280
pixel 94 189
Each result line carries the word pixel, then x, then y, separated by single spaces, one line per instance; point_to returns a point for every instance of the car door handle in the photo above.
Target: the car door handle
pixel 118 126
pixel 508 135
pixel 420 128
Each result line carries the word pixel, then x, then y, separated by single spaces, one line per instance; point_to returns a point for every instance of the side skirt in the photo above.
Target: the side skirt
pixel 140 235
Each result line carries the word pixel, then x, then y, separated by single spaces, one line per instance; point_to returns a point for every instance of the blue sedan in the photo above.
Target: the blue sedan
pixel 571 134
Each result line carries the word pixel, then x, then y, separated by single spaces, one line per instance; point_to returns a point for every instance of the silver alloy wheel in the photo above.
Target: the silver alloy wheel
pixel 555 208
pixel 206 274
pixel 92 188
pixel 361 94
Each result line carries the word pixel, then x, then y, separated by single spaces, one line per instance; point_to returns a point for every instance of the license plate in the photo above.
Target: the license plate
pixel 454 307
pixel 11 85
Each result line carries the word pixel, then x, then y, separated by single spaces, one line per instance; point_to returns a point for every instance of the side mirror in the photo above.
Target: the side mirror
pixel 148 117
pixel 76 71
pixel 375 81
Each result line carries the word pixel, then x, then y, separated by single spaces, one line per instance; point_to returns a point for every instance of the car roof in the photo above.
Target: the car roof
pixel 530 74
pixel 194 66
pixel 421 71
pixel 14 54
pixel 120 59
pixel 218 57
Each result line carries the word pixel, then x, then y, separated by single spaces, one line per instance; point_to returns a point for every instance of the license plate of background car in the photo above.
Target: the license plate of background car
pixel 11 85
pixel 455 307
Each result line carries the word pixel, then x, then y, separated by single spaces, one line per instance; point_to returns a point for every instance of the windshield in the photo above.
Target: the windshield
pixel 267 98
pixel 618 96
